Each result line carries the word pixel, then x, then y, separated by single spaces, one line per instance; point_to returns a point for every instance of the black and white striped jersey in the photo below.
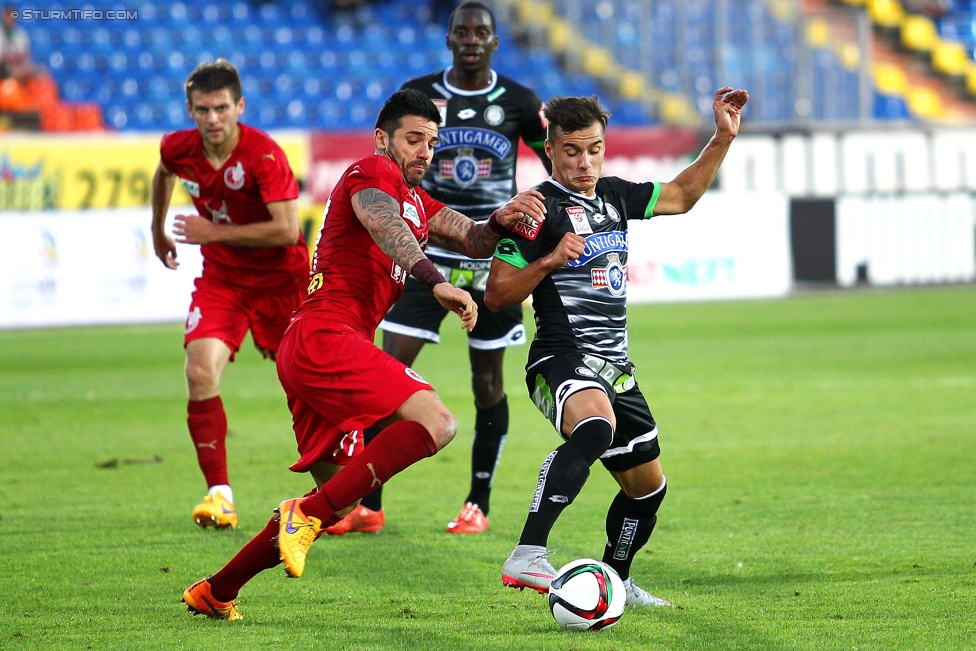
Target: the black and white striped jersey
pixel 582 307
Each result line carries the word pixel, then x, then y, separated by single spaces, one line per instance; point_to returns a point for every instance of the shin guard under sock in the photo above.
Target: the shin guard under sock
pixel 630 522
pixel 490 428
pixel 259 554
pixel 207 423
pixel 373 501
pixel 395 448
pixel 562 477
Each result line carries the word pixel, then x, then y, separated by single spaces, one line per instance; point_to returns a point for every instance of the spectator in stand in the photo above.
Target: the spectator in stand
pixel 15 58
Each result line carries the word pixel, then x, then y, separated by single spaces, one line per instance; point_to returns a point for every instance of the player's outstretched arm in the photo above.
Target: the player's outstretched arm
pixel 452 230
pixel 281 230
pixel 379 212
pixel 681 194
pixel 510 285
pixel 163 182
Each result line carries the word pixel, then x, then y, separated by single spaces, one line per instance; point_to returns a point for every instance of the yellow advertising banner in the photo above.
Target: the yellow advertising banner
pixel 108 170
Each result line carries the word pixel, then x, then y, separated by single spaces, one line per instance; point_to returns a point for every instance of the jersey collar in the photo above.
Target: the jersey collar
pixel 596 200
pixel 469 93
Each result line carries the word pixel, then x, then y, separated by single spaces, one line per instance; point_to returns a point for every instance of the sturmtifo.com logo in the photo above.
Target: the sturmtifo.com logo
pixel 75 14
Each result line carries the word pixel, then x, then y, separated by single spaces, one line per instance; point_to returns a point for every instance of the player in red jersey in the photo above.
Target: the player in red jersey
pixel 376 225
pixel 255 261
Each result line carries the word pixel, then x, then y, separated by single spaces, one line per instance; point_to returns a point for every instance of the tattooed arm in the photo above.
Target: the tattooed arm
pixel 380 214
pixel 456 232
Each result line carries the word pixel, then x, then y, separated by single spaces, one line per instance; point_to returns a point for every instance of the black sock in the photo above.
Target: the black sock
pixel 490 428
pixel 630 522
pixel 374 500
pixel 562 477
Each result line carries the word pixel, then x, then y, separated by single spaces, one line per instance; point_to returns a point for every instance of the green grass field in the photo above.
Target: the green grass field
pixel 819 450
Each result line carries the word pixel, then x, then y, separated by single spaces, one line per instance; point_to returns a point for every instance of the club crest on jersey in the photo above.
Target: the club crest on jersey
pixel 410 214
pixel 577 217
pixel 494 115
pixel 234 176
pixel 612 213
pixel 465 169
pixel 441 105
pixel 192 188
pixel 613 277
pixel 600 243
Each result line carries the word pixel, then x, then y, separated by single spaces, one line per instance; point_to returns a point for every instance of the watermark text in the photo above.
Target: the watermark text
pixel 74 14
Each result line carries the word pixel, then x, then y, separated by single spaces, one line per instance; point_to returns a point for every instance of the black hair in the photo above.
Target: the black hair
pixel 408 101
pixel 213 76
pixel 573 114
pixel 471 4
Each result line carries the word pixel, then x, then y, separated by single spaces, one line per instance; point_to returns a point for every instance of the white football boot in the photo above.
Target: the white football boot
pixel 528 567
pixel 637 596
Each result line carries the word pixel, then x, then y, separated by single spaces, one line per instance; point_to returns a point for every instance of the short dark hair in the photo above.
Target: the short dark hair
pixel 471 4
pixel 210 77
pixel 408 101
pixel 573 114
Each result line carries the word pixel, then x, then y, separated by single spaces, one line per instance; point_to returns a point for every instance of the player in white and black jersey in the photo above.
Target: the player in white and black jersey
pixel 578 372
pixel 483 117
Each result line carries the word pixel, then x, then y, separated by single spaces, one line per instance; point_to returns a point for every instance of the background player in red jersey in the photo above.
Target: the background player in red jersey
pixel 255 261
pixel 480 106
pixel 376 225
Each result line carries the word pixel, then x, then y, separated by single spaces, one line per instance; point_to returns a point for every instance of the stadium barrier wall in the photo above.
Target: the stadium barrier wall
pixel 99 267
pixel 878 207
pixel 105 170
pixel 89 267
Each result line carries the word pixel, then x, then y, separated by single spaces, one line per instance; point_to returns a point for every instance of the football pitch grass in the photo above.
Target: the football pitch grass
pixel 822 492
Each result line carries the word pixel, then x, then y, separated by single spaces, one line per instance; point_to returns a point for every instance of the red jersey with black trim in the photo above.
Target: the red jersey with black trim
pixel 353 281
pixel 255 174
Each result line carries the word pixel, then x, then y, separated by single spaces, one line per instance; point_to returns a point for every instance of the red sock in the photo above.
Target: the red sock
pixel 208 429
pixel 395 448
pixel 259 554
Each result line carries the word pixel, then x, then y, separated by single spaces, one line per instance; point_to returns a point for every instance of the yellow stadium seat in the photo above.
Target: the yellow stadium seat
pixel 559 35
pixel 818 32
pixel 919 34
pixel 596 61
pixel 925 103
pixel 886 13
pixel 632 85
pixel 950 59
pixel 849 54
pixel 971 80
pixel 677 109
pixel 889 79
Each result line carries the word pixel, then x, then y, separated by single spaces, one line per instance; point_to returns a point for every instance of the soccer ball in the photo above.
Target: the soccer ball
pixel 586 595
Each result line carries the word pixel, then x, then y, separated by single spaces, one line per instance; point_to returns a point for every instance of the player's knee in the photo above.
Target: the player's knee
pixel 200 378
pixel 442 426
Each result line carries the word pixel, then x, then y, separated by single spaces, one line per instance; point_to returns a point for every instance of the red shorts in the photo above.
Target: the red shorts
pixel 222 312
pixel 338 383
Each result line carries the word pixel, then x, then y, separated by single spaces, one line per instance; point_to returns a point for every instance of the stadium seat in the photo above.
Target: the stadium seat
pixel 950 59
pixel 889 79
pixel 925 103
pixel 918 34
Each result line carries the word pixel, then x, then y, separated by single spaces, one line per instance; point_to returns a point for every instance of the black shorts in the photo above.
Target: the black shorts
pixel 418 314
pixel 551 381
